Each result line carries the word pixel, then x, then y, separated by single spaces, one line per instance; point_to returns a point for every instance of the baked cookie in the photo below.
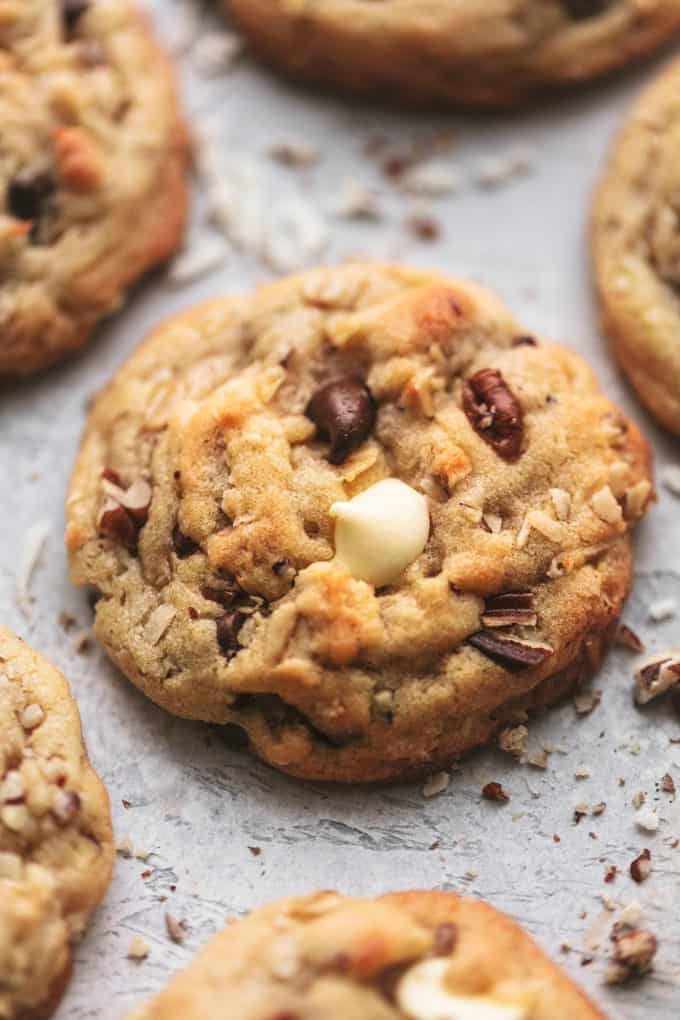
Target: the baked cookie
pixel 475 483
pixel 474 52
pixel 93 163
pixel 636 247
pixel 56 846
pixel 405 956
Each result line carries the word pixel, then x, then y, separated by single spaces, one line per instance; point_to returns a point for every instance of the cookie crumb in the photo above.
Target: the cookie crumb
pixel 632 954
pixel 514 740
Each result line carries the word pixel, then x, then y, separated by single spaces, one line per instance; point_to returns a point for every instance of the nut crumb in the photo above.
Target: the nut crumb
pixel 514 740
pixel 176 929
pixel 138 950
pixel 632 954
pixel 495 791
pixel 627 638
pixel 586 701
pixel 668 784
pixel 641 867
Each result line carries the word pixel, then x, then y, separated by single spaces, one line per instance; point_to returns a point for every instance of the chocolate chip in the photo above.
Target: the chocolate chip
pixel 494 412
pixel 27 194
pixel 228 627
pixel 182 544
pixel 116 523
pixel 280 567
pixel 509 652
pixel 445 938
pixel 344 412
pixel 223 596
pixel 71 12
pixel 524 341
pixel 581 9
pixel 508 608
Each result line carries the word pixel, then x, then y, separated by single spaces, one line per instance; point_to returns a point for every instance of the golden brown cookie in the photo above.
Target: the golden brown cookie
pixel 405 956
pixel 360 514
pixel 93 164
pixel 56 845
pixel 636 247
pixel 474 52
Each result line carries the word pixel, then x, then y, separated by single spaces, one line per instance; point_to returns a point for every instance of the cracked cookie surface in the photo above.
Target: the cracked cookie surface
pixel 636 247
pixel 204 499
pixel 93 161
pixel 56 844
pixel 486 52
pixel 404 956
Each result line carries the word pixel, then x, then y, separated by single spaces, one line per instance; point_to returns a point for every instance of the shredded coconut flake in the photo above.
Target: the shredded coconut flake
pixel 647 819
pixel 670 478
pixel 662 609
pixel 198 260
pixel 436 784
pixel 34 543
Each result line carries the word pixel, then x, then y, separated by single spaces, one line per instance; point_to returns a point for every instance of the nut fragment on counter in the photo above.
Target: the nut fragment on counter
pixel 656 675
pixel 632 954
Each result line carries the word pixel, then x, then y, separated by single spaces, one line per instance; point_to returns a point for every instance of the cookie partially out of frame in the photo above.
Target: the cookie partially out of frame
pixel 56 845
pixel 474 52
pixel 636 247
pixel 405 956
pixel 93 163
pixel 476 485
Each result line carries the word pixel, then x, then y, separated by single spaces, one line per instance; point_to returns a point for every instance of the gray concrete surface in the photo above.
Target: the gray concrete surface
pixel 199 808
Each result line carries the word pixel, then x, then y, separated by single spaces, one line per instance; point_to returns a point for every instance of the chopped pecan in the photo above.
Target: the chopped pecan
pixel 495 791
pixel 632 954
pixel 116 523
pixel 627 638
pixel 656 675
pixel 508 608
pixel 641 867
pixel 510 652
pixel 494 412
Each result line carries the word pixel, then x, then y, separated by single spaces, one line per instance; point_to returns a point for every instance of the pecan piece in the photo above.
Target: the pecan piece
pixel 116 523
pixel 495 791
pixel 494 412
pixel 641 867
pixel 632 954
pixel 510 652
pixel 344 412
pixel 656 675
pixel 627 638
pixel 508 608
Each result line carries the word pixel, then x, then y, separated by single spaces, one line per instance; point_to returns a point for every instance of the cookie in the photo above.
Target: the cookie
pixel 477 52
pixel 93 170
pixel 636 247
pixel 56 846
pixel 476 486
pixel 404 956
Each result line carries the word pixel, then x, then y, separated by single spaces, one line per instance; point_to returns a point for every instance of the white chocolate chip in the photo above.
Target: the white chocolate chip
pixel 381 531
pixel 31 716
pixel 422 994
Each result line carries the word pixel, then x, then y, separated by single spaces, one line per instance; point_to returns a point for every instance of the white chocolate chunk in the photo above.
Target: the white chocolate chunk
pixel 422 994
pixel 381 531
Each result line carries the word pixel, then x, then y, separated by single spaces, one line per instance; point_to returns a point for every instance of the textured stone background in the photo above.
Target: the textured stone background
pixel 198 807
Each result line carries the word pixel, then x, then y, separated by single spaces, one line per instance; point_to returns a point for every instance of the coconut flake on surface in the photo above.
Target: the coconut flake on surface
pixel 662 609
pixel 201 256
pixel 34 543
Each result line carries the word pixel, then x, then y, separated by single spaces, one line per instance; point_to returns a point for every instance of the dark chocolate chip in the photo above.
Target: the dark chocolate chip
pixel 344 412
pixel 223 596
pixel 524 341
pixel 27 194
pixel 71 12
pixel 280 567
pixel 579 10
pixel 494 412
pixel 228 627
pixel 183 545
